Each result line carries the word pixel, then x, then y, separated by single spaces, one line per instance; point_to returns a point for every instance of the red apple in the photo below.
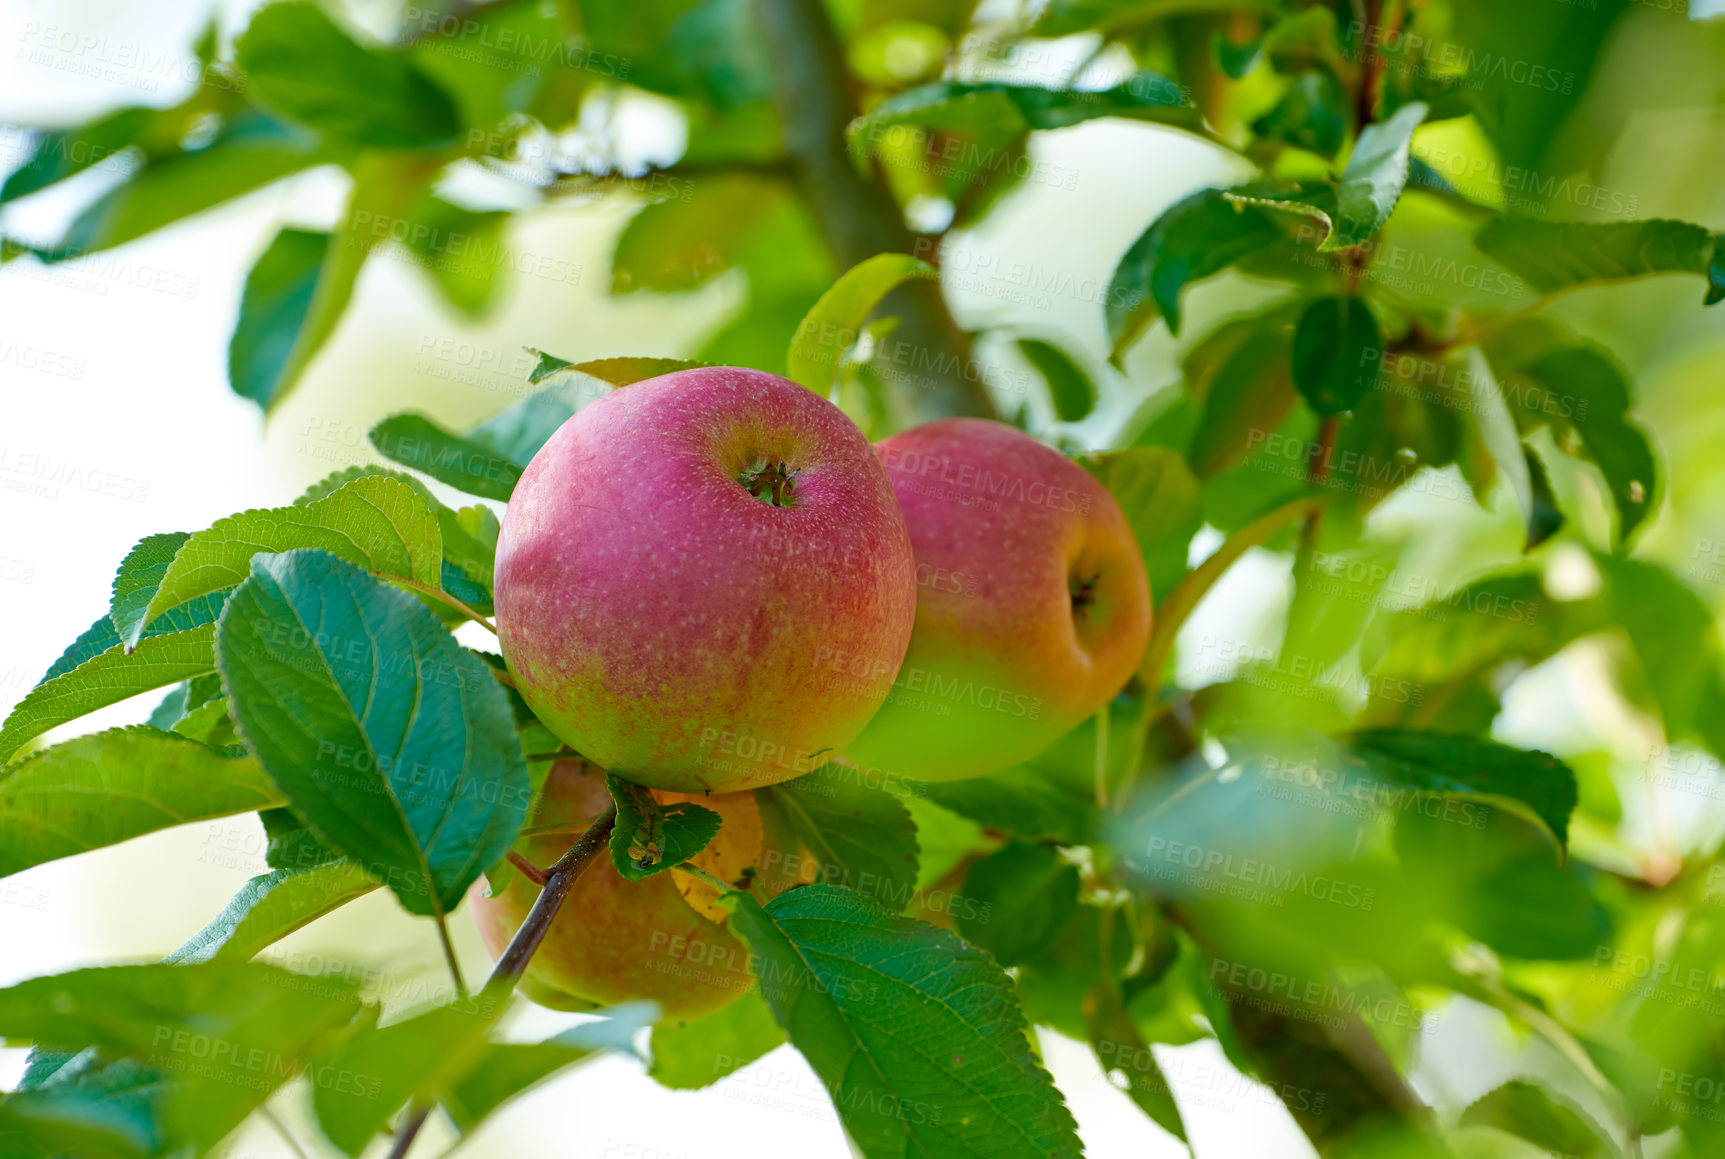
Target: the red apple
pixel 704 582
pixel 615 940
pixel 1032 611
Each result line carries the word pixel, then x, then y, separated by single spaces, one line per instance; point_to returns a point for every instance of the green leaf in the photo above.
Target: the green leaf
pixel 462 250
pixel 650 838
pixel 833 325
pixel 1596 397
pixel 1193 239
pixel 1373 180
pixel 1554 255
pixel 1122 1051
pixel 469 533
pixel 376 522
pixel 109 787
pixel 61 153
pixel 616 371
pixel 138 575
pixel 1065 17
pixel 1312 114
pixel 289 844
pixel 137 579
pixel 209 723
pixel 274 306
pixel 223 1035
pixel 1159 495
pixel 519 45
pixel 1545 519
pixel 1497 431
pixel 547 365
pixel 918 1036
pixel 1248 397
pixel 1023 801
pixel 465 464
pixel 1069 386
pixel 393 742
pixel 107 678
pixel 1337 350
pixel 300 64
pixel 414 1059
pixel 91 643
pixel 1023 894
pixel 488 460
pixel 445 1054
pixel 507 1069
pixel 1542 1117
pixel 1494 878
pixel 271 906
pixel 1013 109
pixel 859 835
pixel 1534 785
pixel 296 308
pixel 249 151
pixel 87 1107
pixel 690 1055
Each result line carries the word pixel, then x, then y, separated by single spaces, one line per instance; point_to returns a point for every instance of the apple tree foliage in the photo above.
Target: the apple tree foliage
pixel 1306 849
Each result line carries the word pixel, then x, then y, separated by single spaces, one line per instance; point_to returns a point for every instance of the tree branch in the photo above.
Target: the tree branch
pixel 855 213
pixel 559 879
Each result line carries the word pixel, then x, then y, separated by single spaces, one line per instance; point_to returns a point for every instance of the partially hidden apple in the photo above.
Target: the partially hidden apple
pixel 1033 608
pixel 615 940
pixel 704 582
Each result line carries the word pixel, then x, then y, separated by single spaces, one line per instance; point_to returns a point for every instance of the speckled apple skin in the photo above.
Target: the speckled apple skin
pixel 616 940
pixel 674 628
pixel 1001 664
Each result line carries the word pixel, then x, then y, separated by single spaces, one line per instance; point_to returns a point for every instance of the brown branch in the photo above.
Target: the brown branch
pixel 855 212
pixel 1371 67
pixel 559 879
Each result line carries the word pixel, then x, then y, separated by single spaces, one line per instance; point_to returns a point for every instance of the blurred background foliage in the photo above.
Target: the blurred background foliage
pixel 1407 483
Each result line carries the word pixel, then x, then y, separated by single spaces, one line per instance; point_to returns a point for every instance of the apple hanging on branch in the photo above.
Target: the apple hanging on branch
pixel 661 938
pixel 704 582
pixel 1033 608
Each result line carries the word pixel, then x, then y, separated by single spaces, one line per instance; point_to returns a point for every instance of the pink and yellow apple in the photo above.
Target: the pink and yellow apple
pixel 1032 604
pixel 704 582
pixel 615 940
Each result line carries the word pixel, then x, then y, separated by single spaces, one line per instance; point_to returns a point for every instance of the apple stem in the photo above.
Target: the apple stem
pixel 558 880
pixel 695 871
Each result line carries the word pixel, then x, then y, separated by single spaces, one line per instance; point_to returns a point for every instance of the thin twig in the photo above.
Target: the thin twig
pixel 528 870
pixel 558 881
pixel 1317 474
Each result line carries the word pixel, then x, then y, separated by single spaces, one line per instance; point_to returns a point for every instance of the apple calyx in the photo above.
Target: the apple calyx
pixel 774 479
pixel 1083 594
